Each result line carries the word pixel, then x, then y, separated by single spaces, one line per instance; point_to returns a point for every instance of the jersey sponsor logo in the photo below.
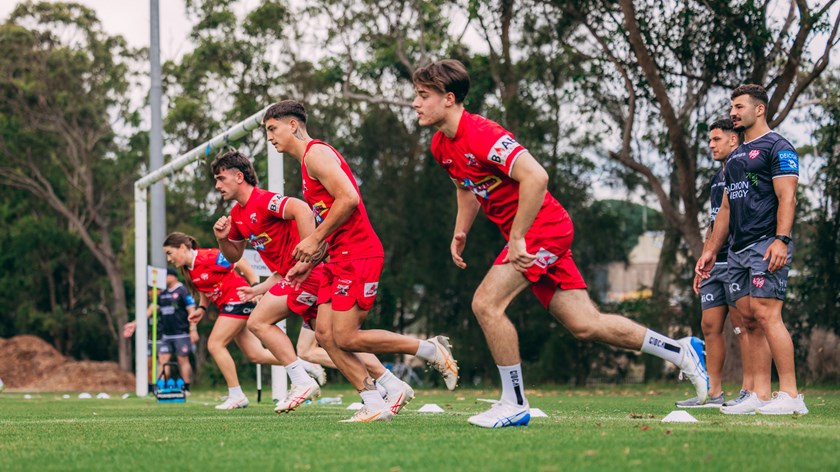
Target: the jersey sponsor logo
pixel 788 161
pixel 307 298
pixel 758 281
pixel 500 151
pixel 253 217
pixel 706 298
pixel 483 187
pixel 740 154
pixel 447 163
pixel 471 161
pixel 259 242
pixel 221 262
pixel 738 190
pixel 319 211
pixel 754 153
pixel 204 276
pixel 734 287
pixel 274 203
pixel 341 289
pixel 545 258
pixel 167 310
pixel 371 289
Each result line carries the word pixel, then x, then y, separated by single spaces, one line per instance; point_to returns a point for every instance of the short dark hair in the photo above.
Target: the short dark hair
pixel 284 109
pixel 723 125
pixel 235 160
pixel 447 75
pixel 756 92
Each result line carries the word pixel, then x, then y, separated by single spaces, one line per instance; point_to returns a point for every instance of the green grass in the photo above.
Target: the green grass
pixel 612 428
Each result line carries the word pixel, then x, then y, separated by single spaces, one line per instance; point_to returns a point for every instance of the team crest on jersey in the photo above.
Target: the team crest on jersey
pixel 371 289
pixel 274 204
pixel 319 210
pixel 754 153
pixel 259 242
pixel 545 258
pixel 447 163
pixel 342 289
pixel 221 261
pixel 204 276
pixel 483 187
pixel 253 217
pixel 500 151
pixel 306 298
pixel 758 281
pixel 471 161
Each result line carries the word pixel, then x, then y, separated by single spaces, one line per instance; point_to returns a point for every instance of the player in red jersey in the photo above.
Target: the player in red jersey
pixel 493 172
pixel 274 225
pixel 207 272
pixel 355 262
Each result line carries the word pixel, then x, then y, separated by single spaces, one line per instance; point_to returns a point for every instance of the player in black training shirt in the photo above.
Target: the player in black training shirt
pixel 757 210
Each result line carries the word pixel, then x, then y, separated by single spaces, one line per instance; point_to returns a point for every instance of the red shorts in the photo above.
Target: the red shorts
pixel 301 301
pixel 554 268
pixel 348 283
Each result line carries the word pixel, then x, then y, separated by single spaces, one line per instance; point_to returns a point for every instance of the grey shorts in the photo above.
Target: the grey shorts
pixel 714 291
pixel 180 345
pixel 748 274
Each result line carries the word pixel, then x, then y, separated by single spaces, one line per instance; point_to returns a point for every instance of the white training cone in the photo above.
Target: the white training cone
pixel 679 416
pixel 355 406
pixel 103 395
pixel 537 413
pixel 85 395
pixel 430 408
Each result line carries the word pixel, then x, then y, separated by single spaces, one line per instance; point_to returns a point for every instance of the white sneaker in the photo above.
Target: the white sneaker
pixel 444 362
pixel 232 403
pixel 746 407
pixel 503 414
pixel 784 404
pixel 318 373
pixel 693 366
pixel 366 415
pixel 297 395
pixel 397 399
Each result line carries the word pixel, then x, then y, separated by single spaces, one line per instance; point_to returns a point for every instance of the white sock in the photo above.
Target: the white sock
pixel 662 347
pixel 297 373
pixel 381 389
pixel 513 389
pixel 236 392
pixel 426 351
pixel 389 381
pixel 373 400
pixel 307 366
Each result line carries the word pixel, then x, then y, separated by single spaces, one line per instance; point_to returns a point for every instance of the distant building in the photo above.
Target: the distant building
pixel 619 281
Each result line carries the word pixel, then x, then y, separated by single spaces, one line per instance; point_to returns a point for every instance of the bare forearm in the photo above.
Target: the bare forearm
pixel 231 251
pixel 531 196
pixel 784 215
pixel 338 215
pixel 468 209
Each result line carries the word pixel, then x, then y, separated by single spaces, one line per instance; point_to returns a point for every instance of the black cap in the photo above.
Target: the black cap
pixel 171 271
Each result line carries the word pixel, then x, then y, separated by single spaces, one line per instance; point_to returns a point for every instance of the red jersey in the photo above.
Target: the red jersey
pixel 261 222
pixel 355 239
pixel 214 276
pixel 480 157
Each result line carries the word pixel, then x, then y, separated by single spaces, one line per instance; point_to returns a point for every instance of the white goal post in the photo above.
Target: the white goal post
pixel 141 240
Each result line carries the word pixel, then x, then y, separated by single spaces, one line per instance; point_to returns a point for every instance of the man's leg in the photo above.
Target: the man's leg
pixel 768 313
pixel 309 350
pixel 262 323
pixel 758 349
pixel 747 383
pixel 712 326
pixel 579 315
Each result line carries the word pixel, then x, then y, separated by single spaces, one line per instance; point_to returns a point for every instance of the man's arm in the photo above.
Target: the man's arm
pixel 533 184
pixel 244 267
pixel 232 250
pixel 323 165
pixel 715 241
pixel 785 188
pixel 468 208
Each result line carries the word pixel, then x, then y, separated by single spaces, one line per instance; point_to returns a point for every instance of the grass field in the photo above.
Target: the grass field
pixel 614 428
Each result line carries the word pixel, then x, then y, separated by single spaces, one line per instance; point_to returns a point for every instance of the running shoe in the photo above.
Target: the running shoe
pixel 712 402
pixel 297 395
pixel 232 403
pixel 503 414
pixel 742 395
pixel 367 415
pixel 317 372
pixel 693 366
pixel 746 407
pixel 444 362
pixel 396 400
pixel 784 404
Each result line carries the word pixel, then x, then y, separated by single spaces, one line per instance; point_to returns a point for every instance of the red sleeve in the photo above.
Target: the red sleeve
pixel 234 234
pixel 494 146
pixel 273 205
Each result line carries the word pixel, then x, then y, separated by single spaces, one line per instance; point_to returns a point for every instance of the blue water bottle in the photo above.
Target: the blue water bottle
pixel 160 384
pixel 180 384
pixel 170 384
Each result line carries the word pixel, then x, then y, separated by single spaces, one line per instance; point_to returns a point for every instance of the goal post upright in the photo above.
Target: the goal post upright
pixel 141 231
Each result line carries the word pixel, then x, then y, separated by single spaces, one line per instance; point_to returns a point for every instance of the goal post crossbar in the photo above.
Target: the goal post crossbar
pixel 141 255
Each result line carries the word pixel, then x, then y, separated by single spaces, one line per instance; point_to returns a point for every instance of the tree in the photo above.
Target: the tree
pixel 65 86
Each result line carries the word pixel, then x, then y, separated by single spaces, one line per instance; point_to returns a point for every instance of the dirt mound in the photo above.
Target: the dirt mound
pixel 29 363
